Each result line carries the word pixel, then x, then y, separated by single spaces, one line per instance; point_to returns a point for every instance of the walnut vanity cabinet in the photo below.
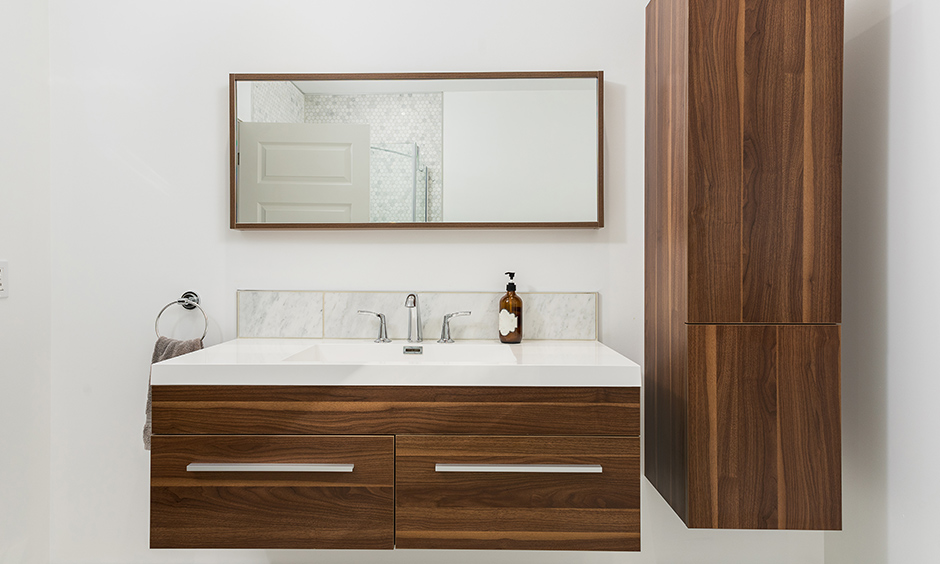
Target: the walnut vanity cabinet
pixel 561 493
pixel 264 491
pixel 408 467
pixel 743 261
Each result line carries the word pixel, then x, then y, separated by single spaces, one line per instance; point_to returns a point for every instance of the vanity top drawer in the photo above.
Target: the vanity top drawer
pixel 324 410
pixel 522 493
pixel 272 492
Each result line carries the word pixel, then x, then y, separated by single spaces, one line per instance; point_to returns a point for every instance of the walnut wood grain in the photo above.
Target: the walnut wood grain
pixel 600 149
pixel 272 510
pixel 408 394
pixel 715 162
pixel 773 140
pixel 810 470
pixel 414 75
pixel 732 467
pixel 666 249
pixel 318 410
pixel 233 150
pixel 421 225
pixel 822 265
pixel 524 540
pixel 517 511
pixel 743 221
pixel 764 146
pixel 421 486
pixel 372 457
pixel 271 517
pixel 764 437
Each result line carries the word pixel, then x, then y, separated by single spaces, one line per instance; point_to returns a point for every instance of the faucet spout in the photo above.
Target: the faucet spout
pixel 414 320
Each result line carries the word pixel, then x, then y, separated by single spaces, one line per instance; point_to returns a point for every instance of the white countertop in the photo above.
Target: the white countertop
pixel 344 362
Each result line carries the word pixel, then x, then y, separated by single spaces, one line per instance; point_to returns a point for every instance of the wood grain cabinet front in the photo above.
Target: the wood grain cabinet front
pixel 321 467
pixel 264 491
pixel 743 261
pixel 766 399
pixel 522 493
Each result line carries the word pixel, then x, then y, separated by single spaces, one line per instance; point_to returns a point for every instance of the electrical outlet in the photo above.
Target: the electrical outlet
pixel 4 279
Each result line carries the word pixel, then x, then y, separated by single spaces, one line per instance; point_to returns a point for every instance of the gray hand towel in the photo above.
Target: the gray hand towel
pixel 165 349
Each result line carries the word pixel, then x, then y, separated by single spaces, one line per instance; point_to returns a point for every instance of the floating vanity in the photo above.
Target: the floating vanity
pixel 344 444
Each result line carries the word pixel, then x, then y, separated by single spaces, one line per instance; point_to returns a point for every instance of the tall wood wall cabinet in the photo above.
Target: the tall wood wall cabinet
pixel 743 261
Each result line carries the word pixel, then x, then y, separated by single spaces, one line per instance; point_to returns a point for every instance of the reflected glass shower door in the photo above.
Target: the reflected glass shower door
pixel 399 184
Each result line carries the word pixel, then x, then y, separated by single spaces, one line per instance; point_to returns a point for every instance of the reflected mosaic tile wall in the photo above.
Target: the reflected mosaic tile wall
pixel 396 121
pixel 395 184
pixel 276 102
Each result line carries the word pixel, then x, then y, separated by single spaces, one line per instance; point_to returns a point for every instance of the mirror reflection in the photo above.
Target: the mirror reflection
pixel 442 152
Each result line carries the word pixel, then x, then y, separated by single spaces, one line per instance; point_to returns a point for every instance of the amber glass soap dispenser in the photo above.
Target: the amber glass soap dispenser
pixel 510 314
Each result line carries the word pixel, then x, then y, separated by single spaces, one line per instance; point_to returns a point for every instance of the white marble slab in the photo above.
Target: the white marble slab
pixel 340 313
pixel 559 316
pixel 555 316
pixel 340 320
pixel 280 314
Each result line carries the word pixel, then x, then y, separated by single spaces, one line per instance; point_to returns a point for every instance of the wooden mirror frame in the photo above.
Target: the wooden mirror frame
pixel 599 75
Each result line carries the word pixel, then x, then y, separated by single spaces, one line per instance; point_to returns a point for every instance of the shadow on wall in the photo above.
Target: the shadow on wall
pixel 864 298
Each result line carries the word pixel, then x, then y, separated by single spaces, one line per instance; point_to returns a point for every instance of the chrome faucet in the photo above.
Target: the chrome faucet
pixel 414 321
pixel 383 331
pixel 445 328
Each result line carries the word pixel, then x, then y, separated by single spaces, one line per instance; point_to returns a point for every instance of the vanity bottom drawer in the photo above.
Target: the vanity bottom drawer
pixel 262 491
pixel 522 493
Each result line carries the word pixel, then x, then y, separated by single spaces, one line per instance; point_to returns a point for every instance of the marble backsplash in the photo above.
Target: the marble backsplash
pixel 332 315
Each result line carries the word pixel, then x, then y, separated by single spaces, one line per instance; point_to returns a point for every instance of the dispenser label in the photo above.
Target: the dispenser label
pixel 508 322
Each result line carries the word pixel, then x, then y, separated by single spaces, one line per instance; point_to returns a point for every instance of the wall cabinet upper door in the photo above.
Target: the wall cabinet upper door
pixel 763 143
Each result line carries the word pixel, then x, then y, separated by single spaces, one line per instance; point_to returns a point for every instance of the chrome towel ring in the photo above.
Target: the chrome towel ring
pixel 189 300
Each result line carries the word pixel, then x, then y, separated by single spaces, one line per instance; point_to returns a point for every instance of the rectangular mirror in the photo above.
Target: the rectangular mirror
pixel 430 150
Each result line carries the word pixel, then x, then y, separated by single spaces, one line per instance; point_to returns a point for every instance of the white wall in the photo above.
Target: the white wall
pixel 138 196
pixel 890 202
pixel 25 314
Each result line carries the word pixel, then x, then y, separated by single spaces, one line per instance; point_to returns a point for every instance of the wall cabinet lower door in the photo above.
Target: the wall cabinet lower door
pixel 523 493
pixel 262 491
pixel 764 445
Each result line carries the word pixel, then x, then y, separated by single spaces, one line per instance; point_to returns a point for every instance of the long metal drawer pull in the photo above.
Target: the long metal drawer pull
pixel 263 467
pixel 544 468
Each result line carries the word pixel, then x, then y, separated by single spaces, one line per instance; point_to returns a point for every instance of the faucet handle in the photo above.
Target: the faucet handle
pixel 445 328
pixel 383 331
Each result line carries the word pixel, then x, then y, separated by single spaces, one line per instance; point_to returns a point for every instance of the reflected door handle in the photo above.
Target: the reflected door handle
pixel 266 467
pixel 536 468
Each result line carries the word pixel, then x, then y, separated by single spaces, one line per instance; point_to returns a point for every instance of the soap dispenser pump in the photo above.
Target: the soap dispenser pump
pixel 510 314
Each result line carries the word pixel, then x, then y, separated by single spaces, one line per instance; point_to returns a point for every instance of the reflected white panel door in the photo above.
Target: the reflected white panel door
pixel 303 173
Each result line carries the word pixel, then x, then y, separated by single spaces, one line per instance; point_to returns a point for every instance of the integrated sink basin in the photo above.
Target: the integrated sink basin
pixel 327 362
pixel 410 353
